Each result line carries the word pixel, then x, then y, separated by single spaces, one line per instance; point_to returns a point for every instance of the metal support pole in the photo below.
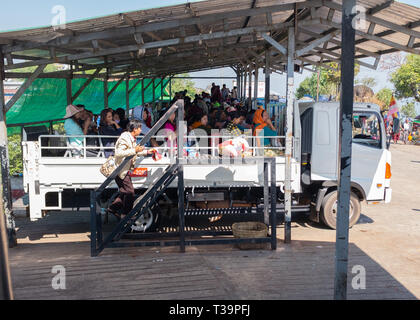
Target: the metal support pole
pixel 273 191
pixel 161 91
pixel 345 144
pixel 266 202
pixel 153 89
pixel 106 91
pixel 142 92
pixel 267 79
pixel 170 89
pixel 240 86
pixel 238 83
pixel 244 86
pixel 69 91
pixel 289 136
pixel 127 96
pixel 93 225
pixel 6 229
pixel 255 87
pixel 250 86
pixel 180 162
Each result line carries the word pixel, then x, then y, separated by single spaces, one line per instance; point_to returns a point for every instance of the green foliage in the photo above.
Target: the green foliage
pixel 409 110
pixel 368 82
pixel 15 154
pixel 49 68
pixel 329 82
pixel 59 128
pixel 183 84
pixel 384 95
pixel 406 79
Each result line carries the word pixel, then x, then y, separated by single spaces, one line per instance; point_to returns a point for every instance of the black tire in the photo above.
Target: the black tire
pixel 148 222
pixel 329 211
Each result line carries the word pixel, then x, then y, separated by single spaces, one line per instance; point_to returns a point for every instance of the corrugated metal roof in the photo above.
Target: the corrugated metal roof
pixel 113 36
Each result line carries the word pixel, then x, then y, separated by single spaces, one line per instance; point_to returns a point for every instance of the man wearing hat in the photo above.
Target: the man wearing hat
pixel 71 125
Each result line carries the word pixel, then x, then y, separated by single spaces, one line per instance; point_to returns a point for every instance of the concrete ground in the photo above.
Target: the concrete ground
pixel 385 243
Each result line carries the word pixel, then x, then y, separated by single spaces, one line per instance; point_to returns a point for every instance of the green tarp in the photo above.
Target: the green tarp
pixel 46 99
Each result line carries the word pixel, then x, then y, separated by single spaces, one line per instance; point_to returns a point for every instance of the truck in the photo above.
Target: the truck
pixel 55 180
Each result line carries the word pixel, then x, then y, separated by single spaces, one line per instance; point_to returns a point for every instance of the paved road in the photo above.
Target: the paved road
pixel 388 233
pixel 386 243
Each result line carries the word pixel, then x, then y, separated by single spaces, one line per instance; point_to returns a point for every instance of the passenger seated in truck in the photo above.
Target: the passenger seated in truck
pixel 169 129
pixel 108 127
pixel 200 121
pixel 72 127
pixel 143 115
pixel 264 128
pixel 120 118
pixel 232 127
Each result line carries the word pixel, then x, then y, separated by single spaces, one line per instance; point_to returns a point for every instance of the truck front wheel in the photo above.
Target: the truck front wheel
pixel 329 209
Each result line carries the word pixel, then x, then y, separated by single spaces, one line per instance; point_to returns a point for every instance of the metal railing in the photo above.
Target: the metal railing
pixel 196 143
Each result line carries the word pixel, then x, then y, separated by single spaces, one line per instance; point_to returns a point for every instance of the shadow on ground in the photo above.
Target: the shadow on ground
pixel 300 270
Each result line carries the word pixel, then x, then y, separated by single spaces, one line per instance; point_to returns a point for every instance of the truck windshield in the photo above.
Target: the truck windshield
pixel 366 129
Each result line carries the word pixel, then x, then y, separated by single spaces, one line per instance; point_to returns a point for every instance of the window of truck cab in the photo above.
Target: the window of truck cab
pixel 367 129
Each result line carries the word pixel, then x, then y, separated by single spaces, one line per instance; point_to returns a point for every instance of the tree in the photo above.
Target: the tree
pixel 15 154
pixel 309 85
pixel 406 79
pixel 368 82
pixel 184 84
pixel 409 110
pixel 384 96
pixel 334 76
pixel 329 82
pixel 391 61
pixel 49 68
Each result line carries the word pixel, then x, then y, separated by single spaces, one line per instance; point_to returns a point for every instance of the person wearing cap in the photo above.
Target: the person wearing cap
pixel 73 116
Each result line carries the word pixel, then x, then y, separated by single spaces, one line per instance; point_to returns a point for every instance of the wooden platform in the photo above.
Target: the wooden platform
pixel 302 270
pixel 385 242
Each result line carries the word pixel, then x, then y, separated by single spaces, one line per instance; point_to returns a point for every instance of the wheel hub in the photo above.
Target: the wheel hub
pixel 144 222
pixel 335 210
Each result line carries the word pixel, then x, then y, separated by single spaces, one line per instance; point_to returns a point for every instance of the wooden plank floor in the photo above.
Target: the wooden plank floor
pixel 301 270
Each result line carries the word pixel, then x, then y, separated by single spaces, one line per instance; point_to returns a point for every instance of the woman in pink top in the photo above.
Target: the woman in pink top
pixel 170 131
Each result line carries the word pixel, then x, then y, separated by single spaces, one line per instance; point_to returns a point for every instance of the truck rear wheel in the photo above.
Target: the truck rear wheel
pixel 329 209
pixel 147 222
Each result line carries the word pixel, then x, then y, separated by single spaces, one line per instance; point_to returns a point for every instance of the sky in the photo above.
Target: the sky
pixel 15 15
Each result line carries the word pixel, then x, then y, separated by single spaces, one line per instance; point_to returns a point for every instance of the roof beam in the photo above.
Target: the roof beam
pixel 83 87
pixel 156 26
pixel 374 38
pixel 155 44
pixel 314 44
pixel 338 43
pixel 118 84
pixel 135 85
pixel 380 7
pixel 25 86
pixel 254 2
pixel 275 44
pixel 379 21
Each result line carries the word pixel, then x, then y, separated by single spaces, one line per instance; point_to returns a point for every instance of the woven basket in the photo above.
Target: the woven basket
pixel 250 230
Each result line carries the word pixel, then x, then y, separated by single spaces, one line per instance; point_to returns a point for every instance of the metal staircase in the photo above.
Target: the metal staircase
pixel 144 202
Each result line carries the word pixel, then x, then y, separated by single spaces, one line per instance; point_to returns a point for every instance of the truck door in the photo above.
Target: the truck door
pixel 369 154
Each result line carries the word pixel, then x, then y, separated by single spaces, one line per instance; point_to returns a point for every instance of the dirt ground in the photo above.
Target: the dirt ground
pixel 385 243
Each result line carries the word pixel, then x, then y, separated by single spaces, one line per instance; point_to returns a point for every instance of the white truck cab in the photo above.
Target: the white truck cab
pixel 370 163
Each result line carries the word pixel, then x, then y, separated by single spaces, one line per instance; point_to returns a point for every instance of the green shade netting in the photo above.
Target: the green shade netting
pixel 46 99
